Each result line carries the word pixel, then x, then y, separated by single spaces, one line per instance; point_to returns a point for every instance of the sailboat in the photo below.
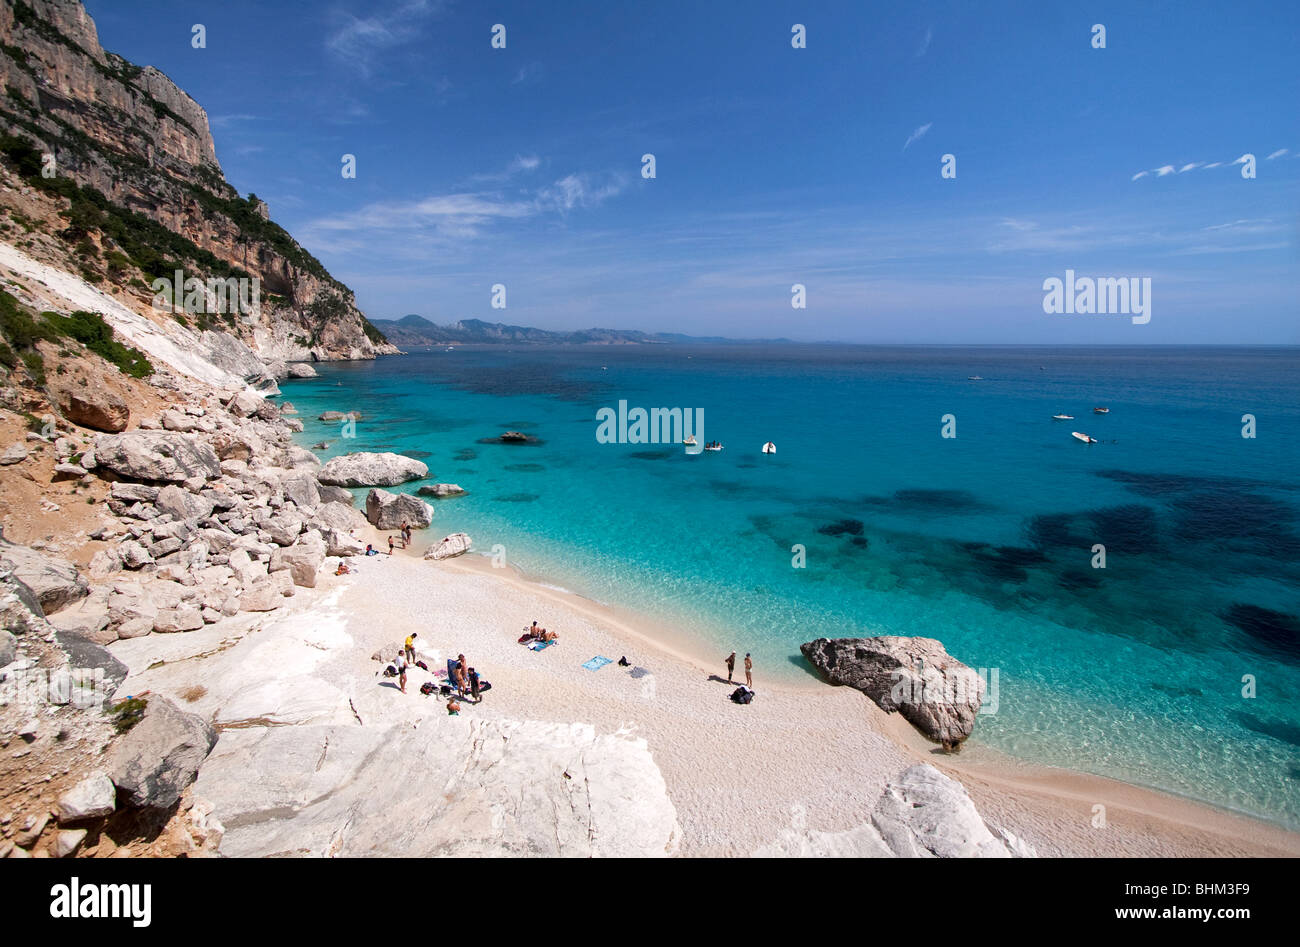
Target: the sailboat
pixel 769 448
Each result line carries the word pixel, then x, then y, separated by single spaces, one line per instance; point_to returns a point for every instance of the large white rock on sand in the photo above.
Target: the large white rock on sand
pixel 457 544
pixel 463 788
pixel 387 510
pixel 159 456
pixel 371 470
pixel 934 691
pixel 921 814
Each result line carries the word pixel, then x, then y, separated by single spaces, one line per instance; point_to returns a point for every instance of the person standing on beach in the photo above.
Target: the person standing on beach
pixel 410 647
pixel 473 685
pixel 461 682
pixel 390 545
pixel 401 670
pixel 749 671
pixel 731 666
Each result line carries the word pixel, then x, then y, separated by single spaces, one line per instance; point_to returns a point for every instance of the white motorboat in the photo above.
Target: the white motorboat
pixel 1083 437
pixel 1101 410
pixel 1063 417
pixel 713 447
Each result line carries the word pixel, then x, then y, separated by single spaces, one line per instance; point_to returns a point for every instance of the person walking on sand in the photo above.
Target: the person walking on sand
pixel 390 545
pixel 749 671
pixel 410 647
pixel 473 685
pixel 401 670
pixel 731 666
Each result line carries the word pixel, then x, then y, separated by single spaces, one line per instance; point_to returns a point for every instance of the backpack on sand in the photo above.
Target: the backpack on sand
pixel 427 688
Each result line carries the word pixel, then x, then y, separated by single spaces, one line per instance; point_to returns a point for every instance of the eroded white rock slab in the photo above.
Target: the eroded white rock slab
pixel 448 787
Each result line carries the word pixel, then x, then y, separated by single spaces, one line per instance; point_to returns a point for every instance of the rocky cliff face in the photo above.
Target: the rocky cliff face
pixel 129 133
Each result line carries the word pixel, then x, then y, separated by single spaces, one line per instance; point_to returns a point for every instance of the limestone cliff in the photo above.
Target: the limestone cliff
pixel 130 134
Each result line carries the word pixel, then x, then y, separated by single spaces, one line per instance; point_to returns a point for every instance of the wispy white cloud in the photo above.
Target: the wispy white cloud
pixel 1168 169
pixel 925 43
pixel 527 74
pixel 458 216
pixel 918 134
pixel 359 41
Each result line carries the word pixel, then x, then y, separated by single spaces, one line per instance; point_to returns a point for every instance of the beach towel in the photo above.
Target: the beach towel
pixel 541 646
pixel 596 663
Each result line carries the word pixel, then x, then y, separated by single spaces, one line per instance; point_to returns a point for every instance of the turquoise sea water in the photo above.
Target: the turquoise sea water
pixel 983 541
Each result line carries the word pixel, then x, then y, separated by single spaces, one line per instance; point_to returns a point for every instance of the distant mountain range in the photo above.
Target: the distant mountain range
pixel 416 330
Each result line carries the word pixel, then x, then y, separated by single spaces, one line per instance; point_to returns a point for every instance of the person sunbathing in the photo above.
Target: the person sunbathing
pixel 343 569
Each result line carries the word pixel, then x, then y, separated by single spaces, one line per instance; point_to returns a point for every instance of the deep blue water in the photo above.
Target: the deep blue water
pixel 983 541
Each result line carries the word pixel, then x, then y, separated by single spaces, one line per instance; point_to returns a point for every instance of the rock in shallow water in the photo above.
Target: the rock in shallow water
pixel 371 470
pixel 934 691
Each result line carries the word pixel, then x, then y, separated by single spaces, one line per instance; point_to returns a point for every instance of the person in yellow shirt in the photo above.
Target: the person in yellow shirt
pixel 410 647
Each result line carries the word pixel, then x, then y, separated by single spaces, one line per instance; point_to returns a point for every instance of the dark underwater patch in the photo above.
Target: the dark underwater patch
pixel 528 441
pixel 1274 633
pixel 465 453
pixel 920 501
pixel 1054 531
pixel 1130 528
pixel 416 454
pixel 1277 729
pixel 846 527
pixel 1078 580
pixel 1006 563
pixel 517 498
pixel 525 468
pixel 651 454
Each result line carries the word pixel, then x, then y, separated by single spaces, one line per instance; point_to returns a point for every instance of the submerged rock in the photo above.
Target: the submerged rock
pixel 441 490
pixel 934 691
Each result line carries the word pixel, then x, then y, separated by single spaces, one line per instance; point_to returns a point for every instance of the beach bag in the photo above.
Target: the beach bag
pixel 427 688
pixel 444 689
pixel 421 665
pixel 484 685
pixel 390 671
pixel 742 695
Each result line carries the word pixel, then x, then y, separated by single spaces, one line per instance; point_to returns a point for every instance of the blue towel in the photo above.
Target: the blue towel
pixel 596 663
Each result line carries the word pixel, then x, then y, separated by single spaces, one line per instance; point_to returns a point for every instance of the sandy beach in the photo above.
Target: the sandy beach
pixel 801 755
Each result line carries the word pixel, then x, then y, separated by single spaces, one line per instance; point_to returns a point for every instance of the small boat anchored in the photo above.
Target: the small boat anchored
pixel 1101 410
pixel 1083 437
pixel 713 446
pixel 690 440
pixel 1063 417
pixel 974 377
pixel 769 448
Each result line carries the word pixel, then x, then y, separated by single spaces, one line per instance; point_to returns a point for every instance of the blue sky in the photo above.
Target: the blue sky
pixel 775 165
